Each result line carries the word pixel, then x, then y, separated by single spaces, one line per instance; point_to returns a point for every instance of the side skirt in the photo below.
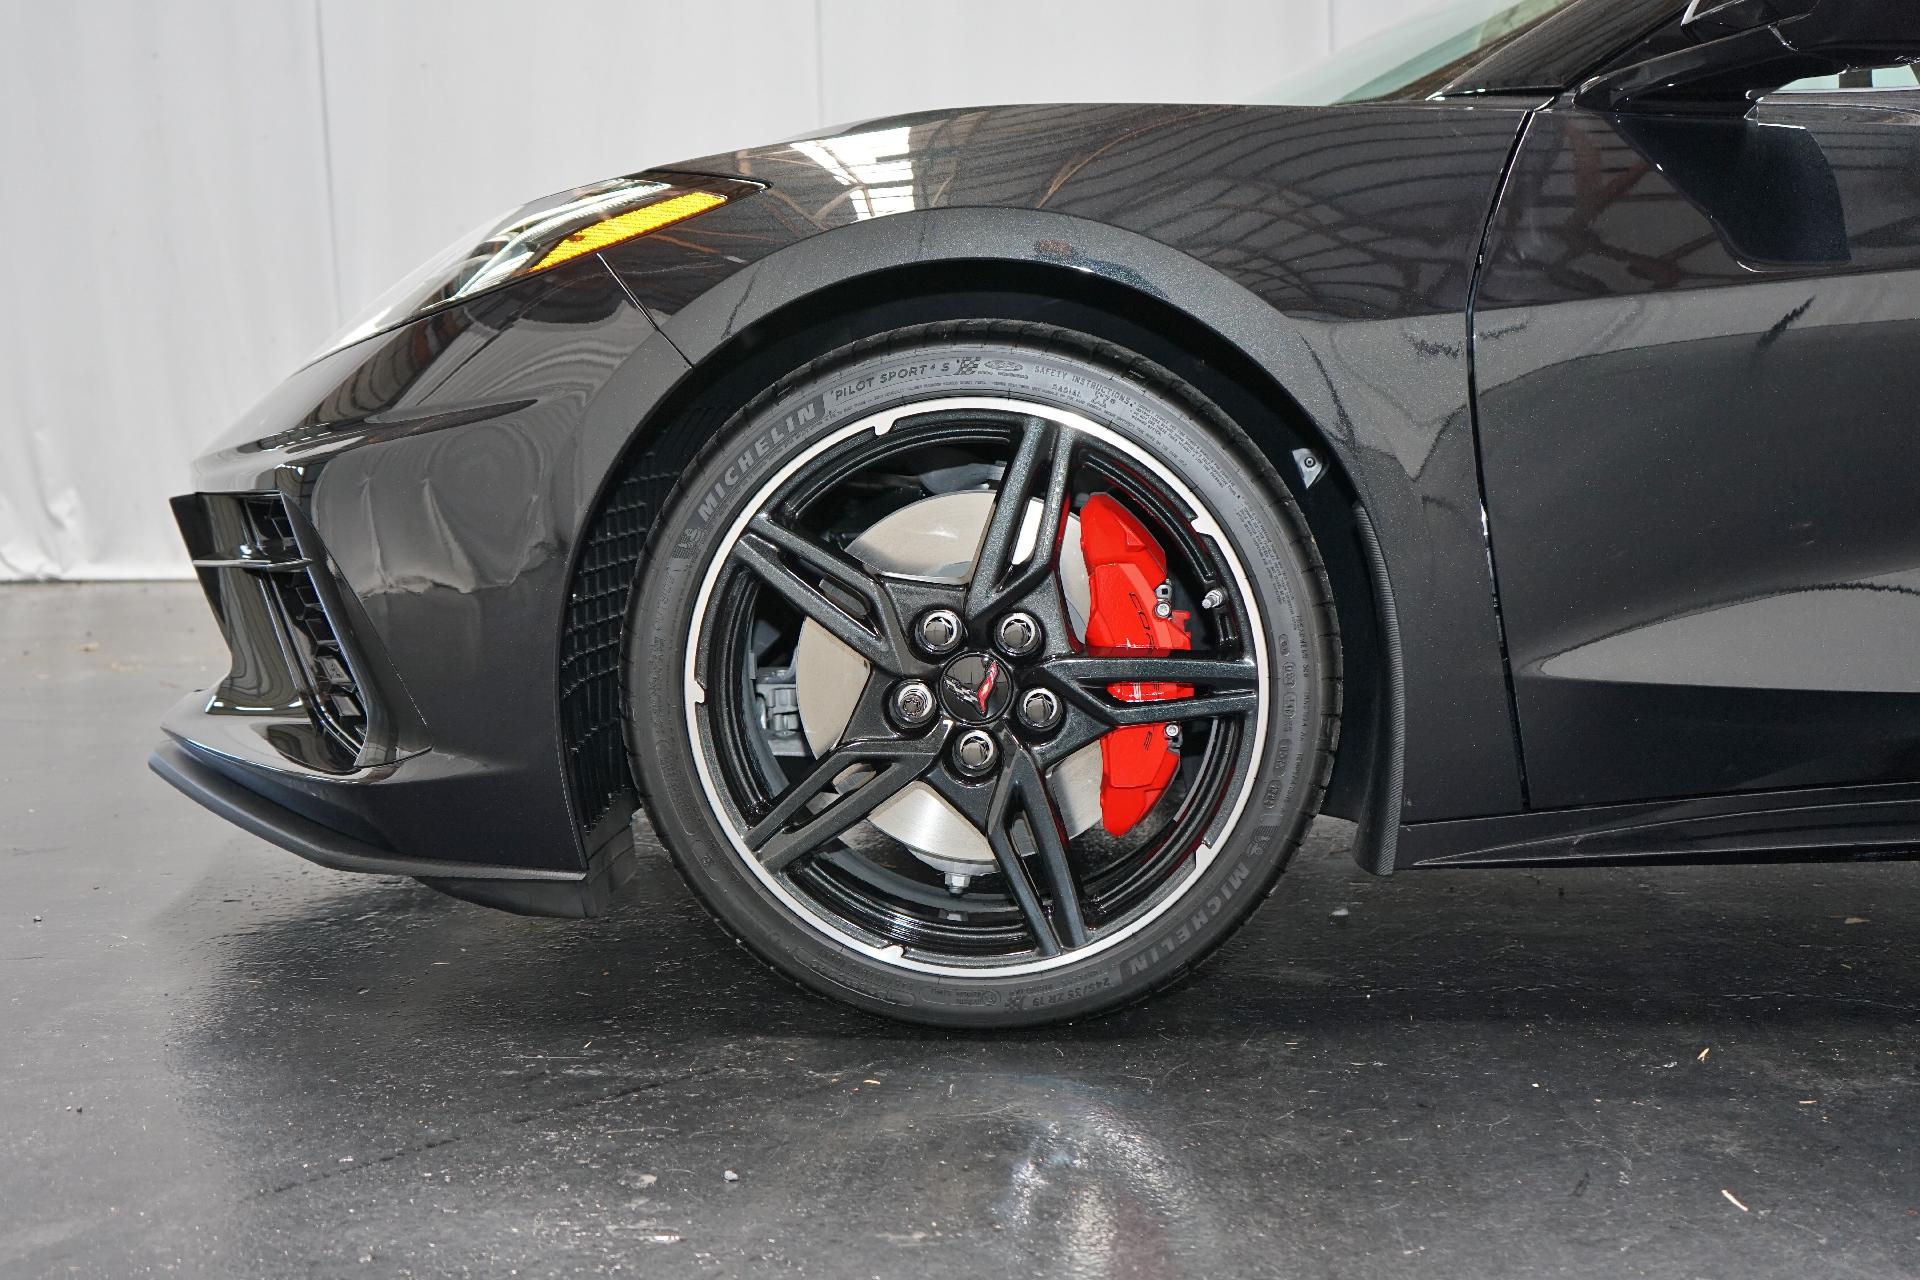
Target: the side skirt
pixel 1839 824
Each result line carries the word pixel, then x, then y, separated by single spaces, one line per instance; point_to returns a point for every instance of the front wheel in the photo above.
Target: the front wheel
pixel 982 675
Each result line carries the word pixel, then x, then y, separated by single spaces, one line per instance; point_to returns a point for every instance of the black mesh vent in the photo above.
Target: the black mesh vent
pixel 591 649
pixel 335 700
pixel 269 518
pixel 593 645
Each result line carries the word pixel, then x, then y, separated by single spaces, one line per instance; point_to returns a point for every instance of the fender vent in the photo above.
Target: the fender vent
pixel 593 639
pixel 591 649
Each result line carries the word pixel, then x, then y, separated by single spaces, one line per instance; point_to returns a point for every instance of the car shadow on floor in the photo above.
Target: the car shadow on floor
pixel 1616 946
pixel 1528 1050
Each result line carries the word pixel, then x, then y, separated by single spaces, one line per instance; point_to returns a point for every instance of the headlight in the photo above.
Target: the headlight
pixel 536 236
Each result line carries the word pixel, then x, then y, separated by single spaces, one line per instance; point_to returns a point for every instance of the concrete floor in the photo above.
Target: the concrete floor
pixel 216 1060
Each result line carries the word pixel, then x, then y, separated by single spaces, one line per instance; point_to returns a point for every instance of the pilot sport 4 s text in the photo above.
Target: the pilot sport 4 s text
pixel 980 542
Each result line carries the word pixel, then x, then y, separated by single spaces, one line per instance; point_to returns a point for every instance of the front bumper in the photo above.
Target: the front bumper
pixel 365 820
pixel 390 543
pixel 527 890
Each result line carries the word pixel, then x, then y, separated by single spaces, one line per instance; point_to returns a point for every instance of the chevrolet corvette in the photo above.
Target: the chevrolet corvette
pixel 978 543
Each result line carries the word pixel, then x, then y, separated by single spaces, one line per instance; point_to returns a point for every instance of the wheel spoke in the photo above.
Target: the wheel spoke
pixel 1050 841
pixel 1045 450
pixel 1000 817
pixel 901 761
pixel 1080 729
pixel 1200 707
pixel 1145 667
pixel 1087 682
pixel 760 548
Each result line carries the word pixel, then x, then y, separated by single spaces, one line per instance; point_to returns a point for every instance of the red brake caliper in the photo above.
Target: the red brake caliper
pixel 1124 566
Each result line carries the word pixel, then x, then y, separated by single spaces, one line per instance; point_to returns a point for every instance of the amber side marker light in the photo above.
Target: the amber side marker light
pixel 625 226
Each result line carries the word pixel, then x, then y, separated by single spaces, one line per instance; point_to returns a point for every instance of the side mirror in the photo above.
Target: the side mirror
pixel 1741 48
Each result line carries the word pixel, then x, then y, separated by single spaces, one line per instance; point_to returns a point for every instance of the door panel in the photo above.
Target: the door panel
pixel 1698 369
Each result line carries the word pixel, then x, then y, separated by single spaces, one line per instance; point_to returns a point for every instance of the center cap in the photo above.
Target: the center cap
pixel 976 688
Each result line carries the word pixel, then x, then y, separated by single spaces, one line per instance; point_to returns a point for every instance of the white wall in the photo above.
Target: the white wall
pixel 198 193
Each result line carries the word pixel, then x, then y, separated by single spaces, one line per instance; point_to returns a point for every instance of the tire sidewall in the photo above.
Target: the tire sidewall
pixel 1224 472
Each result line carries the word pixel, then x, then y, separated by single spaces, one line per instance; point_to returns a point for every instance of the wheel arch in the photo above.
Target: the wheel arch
pixel 794 306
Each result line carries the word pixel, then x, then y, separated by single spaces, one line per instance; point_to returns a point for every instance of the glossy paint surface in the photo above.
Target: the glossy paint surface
pixel 449 466
pixel 1698 390
pixel 444 468
pixel 1334 246
pixel 1694 374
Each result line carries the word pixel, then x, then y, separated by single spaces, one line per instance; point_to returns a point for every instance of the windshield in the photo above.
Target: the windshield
pixel 1414 58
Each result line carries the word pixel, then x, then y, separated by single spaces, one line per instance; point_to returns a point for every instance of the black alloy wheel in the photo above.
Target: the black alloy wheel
pixel 868 719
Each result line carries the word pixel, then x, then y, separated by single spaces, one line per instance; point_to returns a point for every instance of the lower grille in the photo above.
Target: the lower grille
pixel 338 708
pixel 288 659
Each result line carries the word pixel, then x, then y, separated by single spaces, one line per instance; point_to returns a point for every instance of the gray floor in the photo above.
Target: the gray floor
pixel 218 1061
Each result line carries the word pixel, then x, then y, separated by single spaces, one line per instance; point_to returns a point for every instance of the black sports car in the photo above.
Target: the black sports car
pixel 981 541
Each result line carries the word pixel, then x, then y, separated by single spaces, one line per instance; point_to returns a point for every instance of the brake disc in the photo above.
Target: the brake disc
pixel 936 539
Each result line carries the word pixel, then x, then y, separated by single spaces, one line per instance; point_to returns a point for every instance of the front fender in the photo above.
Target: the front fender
pixel 1334 248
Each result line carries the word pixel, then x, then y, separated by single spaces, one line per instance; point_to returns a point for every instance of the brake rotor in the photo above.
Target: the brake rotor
pixel 936 538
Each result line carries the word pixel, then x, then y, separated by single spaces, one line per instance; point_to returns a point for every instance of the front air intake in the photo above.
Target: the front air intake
pixel 264 581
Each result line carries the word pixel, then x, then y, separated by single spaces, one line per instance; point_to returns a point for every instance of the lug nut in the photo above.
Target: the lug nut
pixel 940 631
pixel 1213 599
pixel 1019 635
pixel 974 752
pixel 913 704
pixel 1040 709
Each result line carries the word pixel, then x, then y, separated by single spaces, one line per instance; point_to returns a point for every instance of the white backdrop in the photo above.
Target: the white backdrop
pixel 199 192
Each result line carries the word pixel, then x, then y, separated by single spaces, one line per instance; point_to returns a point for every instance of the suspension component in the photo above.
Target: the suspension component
pixel 1130 609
